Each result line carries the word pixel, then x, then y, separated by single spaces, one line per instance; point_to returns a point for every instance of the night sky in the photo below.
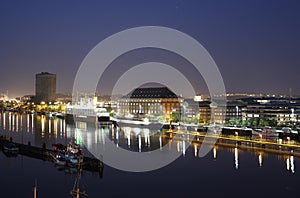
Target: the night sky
pixel 256 44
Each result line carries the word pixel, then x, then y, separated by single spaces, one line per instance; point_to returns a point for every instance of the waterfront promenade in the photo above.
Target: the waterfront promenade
pixel 241 142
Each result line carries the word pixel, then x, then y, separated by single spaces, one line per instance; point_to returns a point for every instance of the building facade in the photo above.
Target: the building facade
pixel 274 111
pixel 257 111
pixel 211 113
pixel 45 87
pixel 150 101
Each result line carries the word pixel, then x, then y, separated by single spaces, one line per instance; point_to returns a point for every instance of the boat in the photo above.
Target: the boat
pixel 102 115
pixel 81 112
pixel 155 126
pixel 67 159
pixel 74 154
pixel 60 159
pixel 74 148
pixel 72 160
pixel 60 115
pixel 10 147
pixel 59 147
pixel 266 132
pixel 69 156
pixel 288 130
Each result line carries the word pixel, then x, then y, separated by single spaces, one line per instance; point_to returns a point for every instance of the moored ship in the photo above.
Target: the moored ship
pixel 268 132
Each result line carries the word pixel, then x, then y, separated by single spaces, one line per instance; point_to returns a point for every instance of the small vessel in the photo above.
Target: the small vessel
pixel 69 156
pixel 288 130
pixel 102 115
pixel 139 124
pixel 10 147
pixel 71 159
pixel 74 154
pixel 59 147
pixel 60 159
pixel 266 132
pixel 60 115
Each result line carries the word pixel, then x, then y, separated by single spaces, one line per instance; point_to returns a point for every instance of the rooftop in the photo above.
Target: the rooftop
pixel 153 92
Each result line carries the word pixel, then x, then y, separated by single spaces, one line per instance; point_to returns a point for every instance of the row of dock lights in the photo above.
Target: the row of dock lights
pixel 290 166
pixel 289 160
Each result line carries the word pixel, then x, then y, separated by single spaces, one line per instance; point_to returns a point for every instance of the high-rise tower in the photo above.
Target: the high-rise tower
pixel 45 87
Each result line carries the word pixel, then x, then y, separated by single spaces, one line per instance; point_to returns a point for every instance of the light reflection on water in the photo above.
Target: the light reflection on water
pixel 24 128
pixel 260 159
pixel 290 166
pixel 215 153
pixel 39 129
pixel 212 173
pixel 236 158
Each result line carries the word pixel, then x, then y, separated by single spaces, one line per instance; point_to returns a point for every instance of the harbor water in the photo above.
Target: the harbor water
pixel 223 172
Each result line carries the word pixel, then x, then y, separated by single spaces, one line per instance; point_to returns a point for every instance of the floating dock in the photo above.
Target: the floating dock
pixel 89 164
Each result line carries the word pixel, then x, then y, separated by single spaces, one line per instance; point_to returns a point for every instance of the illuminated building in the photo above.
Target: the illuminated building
pixel 276 111
pixel 258 111
pixel 152 101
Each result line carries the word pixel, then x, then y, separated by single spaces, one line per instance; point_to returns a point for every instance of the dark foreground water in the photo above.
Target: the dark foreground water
pixel 223 172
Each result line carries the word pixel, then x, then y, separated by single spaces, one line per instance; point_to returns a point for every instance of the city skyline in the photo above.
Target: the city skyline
pixel 254 44
pixel 106 98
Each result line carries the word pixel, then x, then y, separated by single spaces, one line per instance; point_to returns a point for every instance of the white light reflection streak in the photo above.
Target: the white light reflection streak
pixel 43 126
pixel 60 127
pixel 292 164
pixel 32 123
pixel 21 123
pixel 28 123
pixel 17 123
pixel 127 132
pixel 13 122
pixel 260 160
pixel 195 150
pixel 147 137
pixel 64 128
pixel 102 136
pixel 117 137
pixel 215 153
pixel 55 127
pixel 183 147
pixel 160 142
pixel 9 121
pixel 89 138
pixel 236 158
pixel 49 126
pixel 149 143
pixel 140 143
pixel 4 121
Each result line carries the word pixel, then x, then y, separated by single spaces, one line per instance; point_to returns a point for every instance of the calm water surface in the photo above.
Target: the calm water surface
pixel 224 172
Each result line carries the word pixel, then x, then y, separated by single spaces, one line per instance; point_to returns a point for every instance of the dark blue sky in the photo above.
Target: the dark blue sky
pixel 256 44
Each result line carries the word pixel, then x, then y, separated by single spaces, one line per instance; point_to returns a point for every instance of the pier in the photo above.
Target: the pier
pixel 89 164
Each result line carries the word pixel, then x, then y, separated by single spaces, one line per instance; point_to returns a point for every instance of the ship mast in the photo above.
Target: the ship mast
pixel 75 192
